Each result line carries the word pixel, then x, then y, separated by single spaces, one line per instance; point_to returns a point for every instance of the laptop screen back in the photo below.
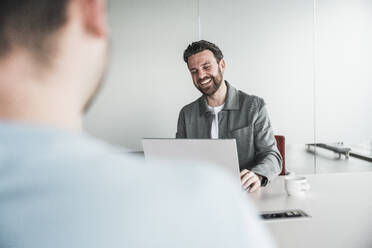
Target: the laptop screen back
pixel 221 152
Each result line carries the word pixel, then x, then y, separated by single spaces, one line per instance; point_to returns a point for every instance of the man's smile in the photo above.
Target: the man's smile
pixel 205 82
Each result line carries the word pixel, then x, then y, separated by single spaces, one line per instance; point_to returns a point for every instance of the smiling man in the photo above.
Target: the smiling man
pixel 223 112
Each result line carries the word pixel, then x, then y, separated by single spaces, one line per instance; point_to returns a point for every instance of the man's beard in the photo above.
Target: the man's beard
pixel 216 83
pixel 100 81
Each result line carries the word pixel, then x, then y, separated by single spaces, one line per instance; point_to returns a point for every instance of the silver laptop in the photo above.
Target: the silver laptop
pixel 221 152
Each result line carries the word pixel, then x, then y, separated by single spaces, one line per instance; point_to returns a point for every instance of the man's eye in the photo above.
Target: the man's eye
pixel 207 67
pixel 193 72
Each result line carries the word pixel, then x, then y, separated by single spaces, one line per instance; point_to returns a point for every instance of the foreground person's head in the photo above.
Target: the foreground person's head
pixel 53 56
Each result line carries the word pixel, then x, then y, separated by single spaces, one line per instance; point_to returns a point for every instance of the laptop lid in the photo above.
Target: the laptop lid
pixel 221 152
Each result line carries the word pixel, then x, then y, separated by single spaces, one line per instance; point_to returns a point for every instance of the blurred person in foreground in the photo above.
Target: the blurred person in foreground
pixel 61 188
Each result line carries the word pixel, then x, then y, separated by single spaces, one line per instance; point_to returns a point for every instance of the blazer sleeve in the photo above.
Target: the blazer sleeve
pixel 268 158
pixel 181 126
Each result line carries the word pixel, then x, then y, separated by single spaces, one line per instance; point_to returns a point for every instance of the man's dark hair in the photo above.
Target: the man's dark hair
pixel 199 46
pixel 30 24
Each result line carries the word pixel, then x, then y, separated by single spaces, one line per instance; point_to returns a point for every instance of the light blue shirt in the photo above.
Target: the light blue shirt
pixel 60 189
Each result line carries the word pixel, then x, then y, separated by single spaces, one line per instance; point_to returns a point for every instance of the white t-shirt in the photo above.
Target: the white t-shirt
pixel 214 128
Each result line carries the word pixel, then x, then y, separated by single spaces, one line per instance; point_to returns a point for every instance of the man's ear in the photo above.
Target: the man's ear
pixel 222 65
pixel 95 17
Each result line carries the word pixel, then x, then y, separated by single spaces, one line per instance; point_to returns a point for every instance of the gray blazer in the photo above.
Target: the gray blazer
pixel 244 118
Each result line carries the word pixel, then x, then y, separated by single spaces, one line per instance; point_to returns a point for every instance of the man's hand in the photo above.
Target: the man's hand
pixel 250 180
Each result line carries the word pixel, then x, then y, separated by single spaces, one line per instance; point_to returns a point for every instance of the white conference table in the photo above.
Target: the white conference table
pixel 340 205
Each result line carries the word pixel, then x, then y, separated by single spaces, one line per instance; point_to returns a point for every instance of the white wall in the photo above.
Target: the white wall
pixel 344 86
pixel 148 82
pixel 268 46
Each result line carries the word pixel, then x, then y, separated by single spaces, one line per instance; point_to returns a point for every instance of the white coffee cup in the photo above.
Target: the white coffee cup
pixel 296 185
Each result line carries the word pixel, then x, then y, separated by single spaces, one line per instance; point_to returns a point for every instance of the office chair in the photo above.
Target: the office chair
pixel 280 143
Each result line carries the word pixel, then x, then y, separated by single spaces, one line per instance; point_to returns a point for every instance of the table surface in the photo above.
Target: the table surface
pixel 340 206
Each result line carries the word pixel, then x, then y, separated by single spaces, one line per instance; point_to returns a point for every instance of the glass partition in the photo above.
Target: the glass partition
pixel 343 86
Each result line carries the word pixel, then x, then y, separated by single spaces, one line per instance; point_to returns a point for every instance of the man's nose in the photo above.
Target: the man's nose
pixel 201 74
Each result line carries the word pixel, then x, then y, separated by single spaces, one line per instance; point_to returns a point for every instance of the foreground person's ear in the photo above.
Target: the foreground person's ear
pixel 94 16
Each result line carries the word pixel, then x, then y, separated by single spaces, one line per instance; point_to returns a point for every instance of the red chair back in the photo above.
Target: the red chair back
pixel 280 143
